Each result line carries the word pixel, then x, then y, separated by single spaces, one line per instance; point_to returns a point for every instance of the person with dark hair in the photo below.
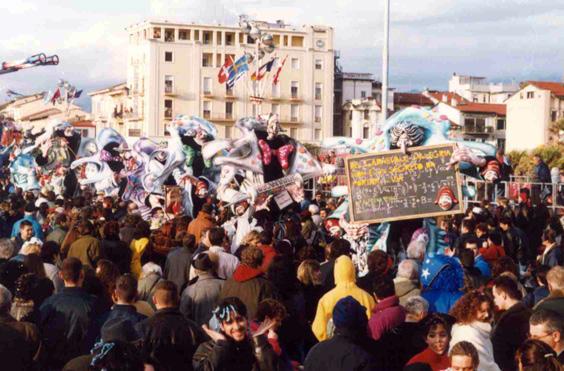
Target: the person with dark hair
pixel 106 273
pixel 114 249
pixel 379 264
pixel 248 282
pixel 387 314
pixel 29 216
pixel 548 326
pixel 512 327
pixel 482 232
pixel 436 329
pixel 464 357
pixel 535 355
pixel 203 222
pixel 467 229
pixel 177 265
pixel 473 314
pixel 25 233
pixel 541 290
pixel 67 319
pixel 60 229
pixel 49 256
pixel 480 263
pixel 515 241
pixel 124 297
pixel 227 263
pixel 44 286
pixel 552 254
pixel 338 247
pixel 494 249
pixel 200 297
pixel 231 347
pixel 169 339
pixel 350 348
pixel 266 244
pixel 473 278
pixel 86 248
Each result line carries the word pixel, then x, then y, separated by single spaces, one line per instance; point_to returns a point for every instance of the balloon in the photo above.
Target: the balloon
pixel 267 39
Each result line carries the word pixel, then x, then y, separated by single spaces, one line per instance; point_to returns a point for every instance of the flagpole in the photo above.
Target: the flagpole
pixel 385 60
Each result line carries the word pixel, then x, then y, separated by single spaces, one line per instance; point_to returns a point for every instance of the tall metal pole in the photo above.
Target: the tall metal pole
pixel 385 60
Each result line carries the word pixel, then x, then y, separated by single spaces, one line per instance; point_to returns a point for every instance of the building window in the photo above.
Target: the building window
pixel 207 109
pixel 530 94
pixel 228 91
pixel 294 89
pixel 169 84
pixel 366 114
pixel 207 85
pixel 297 41
pixel 275 109
pixel 207 60
pixel 134 132
pixel 294 132
pixel 229 110
pixel 295 64
pixel 318 110
pixel 294 112
pixel 168 56
pixel 276 91
pixel 168 108
pixel 365 132
pixel 156 33
pixel 229 38
pixel 207 37
pixel 317 134
pixel 318 90
pixel 553 115
pixel 184 35
pixel 169 35
pixel 362 94
pixel 318 64
pixel 500 124
pixel 228 132
pixel 475 99
pixel 480 125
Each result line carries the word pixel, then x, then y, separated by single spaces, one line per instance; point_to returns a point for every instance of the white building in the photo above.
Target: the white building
pixel 361 116
pixel 531 112
pixel 173 69
pixel 478 90
pixel 111 107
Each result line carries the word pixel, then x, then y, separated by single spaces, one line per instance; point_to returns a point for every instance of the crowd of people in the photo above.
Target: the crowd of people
pixel 87 284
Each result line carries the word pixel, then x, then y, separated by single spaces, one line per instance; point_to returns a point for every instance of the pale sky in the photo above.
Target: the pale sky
pixel 502 40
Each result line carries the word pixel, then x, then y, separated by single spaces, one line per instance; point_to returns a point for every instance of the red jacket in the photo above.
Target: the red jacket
pixel 436 361
pixel 492 253
pixel 269 253
pixel 386 315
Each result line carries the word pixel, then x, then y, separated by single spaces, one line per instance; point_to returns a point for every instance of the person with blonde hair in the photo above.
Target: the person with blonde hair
pixel 555 300
pixel 309 276
pixel 464 357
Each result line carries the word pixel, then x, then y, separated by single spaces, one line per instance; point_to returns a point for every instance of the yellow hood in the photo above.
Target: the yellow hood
pixel 344 271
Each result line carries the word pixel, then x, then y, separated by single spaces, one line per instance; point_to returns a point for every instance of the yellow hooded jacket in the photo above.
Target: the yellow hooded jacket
pixel 345 285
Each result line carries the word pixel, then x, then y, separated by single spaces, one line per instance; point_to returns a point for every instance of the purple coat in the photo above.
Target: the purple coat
pixel 386 315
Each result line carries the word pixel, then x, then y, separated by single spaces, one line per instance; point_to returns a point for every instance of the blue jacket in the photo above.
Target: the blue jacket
pixel 37 231
pixel 483 266
pixel 440 301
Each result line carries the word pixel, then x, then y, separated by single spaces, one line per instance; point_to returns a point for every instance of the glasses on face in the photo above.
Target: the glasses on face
pixel 539 337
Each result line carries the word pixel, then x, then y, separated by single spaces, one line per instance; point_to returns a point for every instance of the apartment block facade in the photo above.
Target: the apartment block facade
pixel 478 90
pixel 172 69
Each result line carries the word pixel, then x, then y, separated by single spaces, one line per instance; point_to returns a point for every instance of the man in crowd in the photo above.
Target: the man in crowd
pixel 25 234
pixel 86 248
pixel 29 215
pixel 512 326
pixel 548 327
pixel 214 240
pixel 125 296
pixel 169 339
pixel 201 223
pixel 555 299
pixel 67 319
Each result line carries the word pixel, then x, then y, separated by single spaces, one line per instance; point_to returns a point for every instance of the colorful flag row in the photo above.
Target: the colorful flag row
pixel 232 71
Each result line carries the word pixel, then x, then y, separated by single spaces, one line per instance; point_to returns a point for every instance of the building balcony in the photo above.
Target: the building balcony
pixel 222 117
pixel 170 91
pixel 470 129
pixel 207 94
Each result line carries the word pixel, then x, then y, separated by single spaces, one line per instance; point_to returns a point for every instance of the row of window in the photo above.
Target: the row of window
pixel 208 60
pixel 478 125
pixel 226 38
pixel 208 83
pixel 229 110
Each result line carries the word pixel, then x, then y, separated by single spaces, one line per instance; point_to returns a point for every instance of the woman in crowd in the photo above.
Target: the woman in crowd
pixel 535 355
pixel 437 336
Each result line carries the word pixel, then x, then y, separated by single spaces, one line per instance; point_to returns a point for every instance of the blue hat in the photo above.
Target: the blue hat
pixel 348 313
pixel 441 272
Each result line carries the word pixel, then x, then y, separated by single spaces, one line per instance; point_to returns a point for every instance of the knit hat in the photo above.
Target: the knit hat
pixel 348 313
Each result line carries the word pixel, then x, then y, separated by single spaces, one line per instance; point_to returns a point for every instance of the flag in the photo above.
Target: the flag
pixel 56 95
pixel 277 75
pixel 237 70
pixel 263 70
pixel 224 71
pixel 77 94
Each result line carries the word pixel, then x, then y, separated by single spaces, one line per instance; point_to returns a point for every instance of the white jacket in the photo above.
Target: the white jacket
pixel 477 333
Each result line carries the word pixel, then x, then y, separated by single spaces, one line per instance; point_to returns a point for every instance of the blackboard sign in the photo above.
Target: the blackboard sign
pixel 390 185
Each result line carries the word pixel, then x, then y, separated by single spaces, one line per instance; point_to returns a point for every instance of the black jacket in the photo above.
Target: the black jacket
pixel 228 355
pixel 67 322
pixel 343 352
pixel 399 345
pixel 509 333
pixel 125 313
pixel 118 252
pixel 169 339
